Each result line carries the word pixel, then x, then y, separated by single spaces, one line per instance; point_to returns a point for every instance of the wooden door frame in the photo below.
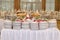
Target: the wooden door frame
pixel 57 5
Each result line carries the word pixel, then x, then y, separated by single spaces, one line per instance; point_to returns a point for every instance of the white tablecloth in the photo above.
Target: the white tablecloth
pixel 48 34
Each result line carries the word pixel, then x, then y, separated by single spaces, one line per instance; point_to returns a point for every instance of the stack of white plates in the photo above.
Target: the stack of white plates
pixel 25 25
pixel 1 24
pixel 8 24
pixel 52 23
pixel 43 25
pixel 16 25
pixel 34 25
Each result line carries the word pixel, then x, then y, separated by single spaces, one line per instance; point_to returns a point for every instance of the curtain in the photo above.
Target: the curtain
pixel 31 5
pixel 50 4
pixel 6 4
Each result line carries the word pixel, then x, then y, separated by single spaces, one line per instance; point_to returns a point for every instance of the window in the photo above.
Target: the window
pixel 31 4
pixel 50 4
pixel 6 4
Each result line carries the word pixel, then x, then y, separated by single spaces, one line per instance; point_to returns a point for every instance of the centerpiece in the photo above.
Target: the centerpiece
pixel 21 15
pixel 35 16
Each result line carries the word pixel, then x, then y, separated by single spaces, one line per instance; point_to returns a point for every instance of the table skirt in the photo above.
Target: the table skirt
pixel 23 34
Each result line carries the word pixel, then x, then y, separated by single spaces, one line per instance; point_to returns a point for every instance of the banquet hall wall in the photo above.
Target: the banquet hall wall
pixel 57 5
pixel 16 4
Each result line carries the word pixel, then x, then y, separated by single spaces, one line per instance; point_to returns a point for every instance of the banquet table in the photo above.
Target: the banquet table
pixel 27 34
pixel 30 25
pixel 8 24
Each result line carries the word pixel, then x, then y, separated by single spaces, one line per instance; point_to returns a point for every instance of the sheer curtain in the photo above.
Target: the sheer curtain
pixel 50 5
pixel 6 4
pixel 31 5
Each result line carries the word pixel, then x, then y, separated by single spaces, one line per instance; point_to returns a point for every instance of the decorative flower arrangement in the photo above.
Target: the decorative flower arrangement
pixel 35 15
pixel 21 15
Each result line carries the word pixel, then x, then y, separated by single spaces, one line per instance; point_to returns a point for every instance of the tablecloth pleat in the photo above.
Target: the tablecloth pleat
pixel 47 34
